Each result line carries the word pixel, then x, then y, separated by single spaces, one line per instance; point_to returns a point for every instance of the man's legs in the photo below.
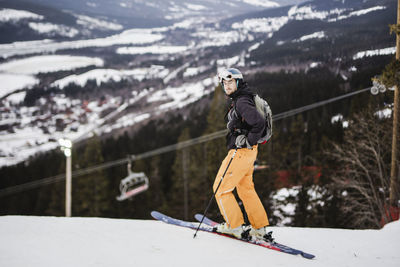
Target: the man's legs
pixel 252 203
pixel 240 166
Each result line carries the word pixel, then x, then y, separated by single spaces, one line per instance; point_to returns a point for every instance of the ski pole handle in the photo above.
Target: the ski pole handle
pixel 213 196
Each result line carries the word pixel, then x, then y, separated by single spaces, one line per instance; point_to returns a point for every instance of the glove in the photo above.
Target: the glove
pixel 241 142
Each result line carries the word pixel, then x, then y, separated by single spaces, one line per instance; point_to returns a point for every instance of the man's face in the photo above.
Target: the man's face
pixel 230 86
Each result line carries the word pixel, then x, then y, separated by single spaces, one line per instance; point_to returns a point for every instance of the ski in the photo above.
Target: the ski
pixel 263 243
pixel 207 227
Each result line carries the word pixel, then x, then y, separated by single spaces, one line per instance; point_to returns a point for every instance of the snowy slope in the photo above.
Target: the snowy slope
pixel 52 241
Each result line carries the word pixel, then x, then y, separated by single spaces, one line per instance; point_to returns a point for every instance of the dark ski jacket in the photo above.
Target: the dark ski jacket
pixel 243 118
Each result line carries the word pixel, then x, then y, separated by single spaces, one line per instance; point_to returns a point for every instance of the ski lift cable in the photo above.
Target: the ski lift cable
pixel 205 138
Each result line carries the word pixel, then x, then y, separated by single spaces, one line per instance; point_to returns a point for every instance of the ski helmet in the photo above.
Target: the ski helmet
pixel 229 74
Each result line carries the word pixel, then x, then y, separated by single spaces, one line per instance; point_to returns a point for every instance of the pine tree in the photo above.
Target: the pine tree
pixel 215 149
pixel 91 193
pixel 212 152
pixel 180 194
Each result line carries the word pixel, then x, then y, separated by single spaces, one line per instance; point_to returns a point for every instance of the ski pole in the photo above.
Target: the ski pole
pixel 213 196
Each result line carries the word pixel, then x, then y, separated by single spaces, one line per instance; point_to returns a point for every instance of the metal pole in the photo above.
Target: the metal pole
pixel 394 173
pixel 213 196
pixel 185 185
pixel 68 187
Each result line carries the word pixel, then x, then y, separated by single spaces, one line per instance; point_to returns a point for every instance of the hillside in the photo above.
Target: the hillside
pixel 171 66
pixel 56 241
pixel 117 89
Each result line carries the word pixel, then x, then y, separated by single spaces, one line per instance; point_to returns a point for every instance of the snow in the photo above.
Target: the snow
pixel 193 71
pixel 353 69
pixel 358 13
pixel 267 25
pixel 11 82
pixel 283 208
pixel 262 3
pixel 228 62
pixel 14 15
pixel 384 113
pixel 307 12
pixel 99 75
pixel 16 98
pixel 195 7
pixel 336 118
pixel 94 23
pixel 366 11
pixel 155 49
pixel 128 120
pixel 48 63
pixel 339 118
pixel 376 52
pixel 25 142
pixel 211 37
pixel 106 75
pixel 58 241
pixel 254 46
pixel 315 65
pixel 29 137
pixel 175 72
pixel 133 36
pixel 53 29
pixel 91 4
pixel 184 24
pixel 178 97
pixel 285 202
pixel 315 35
pixel 37 133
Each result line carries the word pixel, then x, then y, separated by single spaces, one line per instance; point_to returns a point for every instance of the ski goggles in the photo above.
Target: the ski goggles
pixel 227 75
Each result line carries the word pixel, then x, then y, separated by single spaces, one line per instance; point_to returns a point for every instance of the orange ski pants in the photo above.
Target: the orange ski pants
pixel 240 176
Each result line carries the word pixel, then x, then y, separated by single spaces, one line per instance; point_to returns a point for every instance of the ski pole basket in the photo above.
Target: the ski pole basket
pixel 133 184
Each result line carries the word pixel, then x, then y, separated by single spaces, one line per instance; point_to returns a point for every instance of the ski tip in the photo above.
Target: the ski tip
pixel 155 214
pixel 198 216
pixel 307 255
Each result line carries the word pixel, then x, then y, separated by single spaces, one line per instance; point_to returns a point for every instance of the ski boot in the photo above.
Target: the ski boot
pixel 240 232
pixel 261 234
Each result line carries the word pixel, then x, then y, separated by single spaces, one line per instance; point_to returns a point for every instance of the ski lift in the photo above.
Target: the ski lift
pixel 133 184
pixel 259 167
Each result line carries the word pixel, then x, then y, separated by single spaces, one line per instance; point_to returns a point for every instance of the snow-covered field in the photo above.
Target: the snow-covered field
pixel 57 241
pixel 133 36
pixel 376 52
pixel 48 63
pixel 13 15
pixel 12 82
pixel 106 75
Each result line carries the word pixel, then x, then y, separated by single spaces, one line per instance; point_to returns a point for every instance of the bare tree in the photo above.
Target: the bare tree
pixel 362 170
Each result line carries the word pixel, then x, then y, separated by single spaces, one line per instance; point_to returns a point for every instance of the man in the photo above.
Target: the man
pixel 246 126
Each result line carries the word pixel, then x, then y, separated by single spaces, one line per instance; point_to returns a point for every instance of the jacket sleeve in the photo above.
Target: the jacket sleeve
pixel 247 110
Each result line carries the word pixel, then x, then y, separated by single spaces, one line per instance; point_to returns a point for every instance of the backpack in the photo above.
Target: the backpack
pixel 265 111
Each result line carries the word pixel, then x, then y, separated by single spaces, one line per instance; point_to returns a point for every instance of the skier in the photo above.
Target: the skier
pixel 245 126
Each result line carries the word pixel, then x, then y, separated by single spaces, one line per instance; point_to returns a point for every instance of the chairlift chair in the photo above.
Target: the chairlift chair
pixel 133 184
